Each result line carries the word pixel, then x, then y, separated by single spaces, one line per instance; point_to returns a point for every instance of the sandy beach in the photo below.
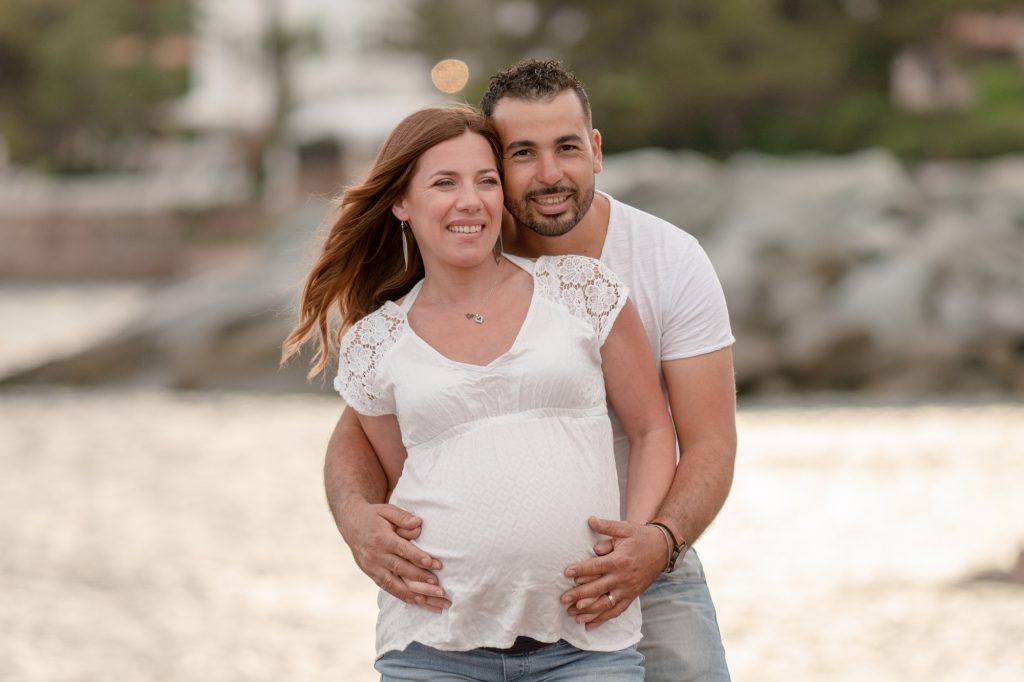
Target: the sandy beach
pixel 152 536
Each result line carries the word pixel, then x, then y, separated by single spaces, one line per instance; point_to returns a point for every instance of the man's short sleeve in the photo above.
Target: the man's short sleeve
pixel 695 319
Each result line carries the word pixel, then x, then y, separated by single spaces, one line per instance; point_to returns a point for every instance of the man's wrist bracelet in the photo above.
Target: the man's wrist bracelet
pixel 668 540
pixel 677 543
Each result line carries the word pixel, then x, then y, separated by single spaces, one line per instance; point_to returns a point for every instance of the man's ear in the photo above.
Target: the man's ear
pixel 595 144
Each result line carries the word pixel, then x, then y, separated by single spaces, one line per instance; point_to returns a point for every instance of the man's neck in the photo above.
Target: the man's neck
pixel 586 239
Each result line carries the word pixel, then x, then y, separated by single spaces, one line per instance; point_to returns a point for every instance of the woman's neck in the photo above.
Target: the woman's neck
pixel 461 286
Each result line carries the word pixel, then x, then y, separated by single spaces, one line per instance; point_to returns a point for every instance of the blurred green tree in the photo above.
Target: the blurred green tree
pixel 76 76
pixel 721 75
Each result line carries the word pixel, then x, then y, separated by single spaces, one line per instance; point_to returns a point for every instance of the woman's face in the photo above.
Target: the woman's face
pixel 454 202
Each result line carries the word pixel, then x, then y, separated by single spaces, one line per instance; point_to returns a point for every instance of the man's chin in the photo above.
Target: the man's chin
pixel 549 228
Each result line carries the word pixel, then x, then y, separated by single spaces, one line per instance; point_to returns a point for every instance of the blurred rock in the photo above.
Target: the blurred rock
pixel 684 188
pixel 841 273
pixel 1014 576
pixel 220 329
pixel 855 272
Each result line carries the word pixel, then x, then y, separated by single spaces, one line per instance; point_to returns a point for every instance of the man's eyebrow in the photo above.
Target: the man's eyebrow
pixel 522 144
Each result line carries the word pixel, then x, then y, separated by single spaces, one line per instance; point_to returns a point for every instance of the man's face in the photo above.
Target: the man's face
pixel 550 157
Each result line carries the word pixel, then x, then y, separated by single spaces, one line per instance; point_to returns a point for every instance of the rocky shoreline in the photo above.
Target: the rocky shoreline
pixel 855 273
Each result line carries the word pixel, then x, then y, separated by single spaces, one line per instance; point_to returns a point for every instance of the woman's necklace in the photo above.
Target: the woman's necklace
pixel 478 318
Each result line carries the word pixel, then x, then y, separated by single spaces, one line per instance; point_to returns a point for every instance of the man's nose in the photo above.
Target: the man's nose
pixel 549 171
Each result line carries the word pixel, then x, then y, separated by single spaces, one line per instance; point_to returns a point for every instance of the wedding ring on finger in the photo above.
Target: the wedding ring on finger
pixel 611 599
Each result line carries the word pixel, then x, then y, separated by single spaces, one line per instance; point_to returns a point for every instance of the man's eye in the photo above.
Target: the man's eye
pixel 521 154
pixel 569 148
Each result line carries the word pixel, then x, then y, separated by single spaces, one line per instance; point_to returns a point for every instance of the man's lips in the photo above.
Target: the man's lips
pixel 551 203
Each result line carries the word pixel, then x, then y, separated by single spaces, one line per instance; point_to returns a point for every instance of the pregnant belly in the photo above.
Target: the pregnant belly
pixel 506 506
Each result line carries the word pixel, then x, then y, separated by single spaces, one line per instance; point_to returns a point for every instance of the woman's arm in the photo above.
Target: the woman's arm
pixel 634 391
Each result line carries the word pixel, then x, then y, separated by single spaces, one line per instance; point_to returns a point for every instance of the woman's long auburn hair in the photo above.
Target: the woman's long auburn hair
pixel 361 265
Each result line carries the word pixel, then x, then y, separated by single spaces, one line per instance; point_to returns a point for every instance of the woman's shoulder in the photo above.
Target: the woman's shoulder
pixel 584 286
pixel 380 328
pixel 362 356
pixel 574 271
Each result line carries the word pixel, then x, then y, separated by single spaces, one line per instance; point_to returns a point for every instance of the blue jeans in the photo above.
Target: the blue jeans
pixel 559 662
pixel 681 640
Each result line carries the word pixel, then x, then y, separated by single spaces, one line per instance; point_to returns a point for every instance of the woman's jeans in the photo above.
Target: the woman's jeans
pixel 558 662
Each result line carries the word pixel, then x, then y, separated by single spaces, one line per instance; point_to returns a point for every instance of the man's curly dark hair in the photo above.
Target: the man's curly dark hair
pixel 534 80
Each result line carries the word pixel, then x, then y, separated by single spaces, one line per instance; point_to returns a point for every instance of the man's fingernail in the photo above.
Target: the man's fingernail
pixel 419 598
pixel 431 581
pixel 436 565
pixel 426 562
pixel 566 599
pixel 570 573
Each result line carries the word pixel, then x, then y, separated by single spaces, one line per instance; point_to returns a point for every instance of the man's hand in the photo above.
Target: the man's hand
pixel 625 566
pixel 379 536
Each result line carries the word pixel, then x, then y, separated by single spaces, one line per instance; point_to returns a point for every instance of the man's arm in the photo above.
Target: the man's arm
pixel 702 396
pixel 377 533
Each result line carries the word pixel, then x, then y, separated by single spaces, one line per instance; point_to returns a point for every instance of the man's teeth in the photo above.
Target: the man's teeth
pixel 465 229
pixel 550 200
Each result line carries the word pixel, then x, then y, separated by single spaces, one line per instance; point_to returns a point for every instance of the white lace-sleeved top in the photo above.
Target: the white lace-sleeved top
pixel 505 461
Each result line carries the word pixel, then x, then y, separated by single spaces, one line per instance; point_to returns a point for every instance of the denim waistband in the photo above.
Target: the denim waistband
pixel 522 645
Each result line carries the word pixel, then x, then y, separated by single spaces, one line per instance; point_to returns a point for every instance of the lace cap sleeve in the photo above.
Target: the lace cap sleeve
pixel 360 357
pixel 586 286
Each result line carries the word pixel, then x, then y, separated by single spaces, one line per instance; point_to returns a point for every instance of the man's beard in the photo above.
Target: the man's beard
pixel 551 226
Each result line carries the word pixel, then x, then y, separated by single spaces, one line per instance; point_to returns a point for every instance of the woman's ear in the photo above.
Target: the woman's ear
pixel 398 209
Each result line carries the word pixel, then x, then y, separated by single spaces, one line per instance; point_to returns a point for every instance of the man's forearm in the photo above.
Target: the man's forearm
pixel 700 487
pixel 702 394
pixel 352 471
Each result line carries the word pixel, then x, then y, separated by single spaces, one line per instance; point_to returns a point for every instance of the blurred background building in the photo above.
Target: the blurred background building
pixel 851 167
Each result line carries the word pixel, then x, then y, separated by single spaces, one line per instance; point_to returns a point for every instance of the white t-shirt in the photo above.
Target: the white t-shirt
pixel 674 288
pixel 505 461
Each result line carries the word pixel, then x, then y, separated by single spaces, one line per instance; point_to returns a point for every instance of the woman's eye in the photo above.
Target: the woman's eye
pixel 490 181
pixel 444 183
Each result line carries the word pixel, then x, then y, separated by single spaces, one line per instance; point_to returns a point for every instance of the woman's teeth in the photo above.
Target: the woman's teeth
pixel 465 229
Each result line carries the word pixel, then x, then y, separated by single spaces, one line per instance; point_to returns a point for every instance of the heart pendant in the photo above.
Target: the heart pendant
pixel 475 317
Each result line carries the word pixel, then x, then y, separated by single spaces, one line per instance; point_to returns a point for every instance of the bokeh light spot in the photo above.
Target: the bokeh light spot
pixel 450 75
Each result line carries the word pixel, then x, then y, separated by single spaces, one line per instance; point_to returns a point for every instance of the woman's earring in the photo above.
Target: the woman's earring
pixel 501 248
pixel 405 245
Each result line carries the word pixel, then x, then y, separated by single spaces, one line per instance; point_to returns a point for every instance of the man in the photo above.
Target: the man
pixel 551 155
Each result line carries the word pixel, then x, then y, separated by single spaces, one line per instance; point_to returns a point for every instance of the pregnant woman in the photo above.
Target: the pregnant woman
pixel 483 382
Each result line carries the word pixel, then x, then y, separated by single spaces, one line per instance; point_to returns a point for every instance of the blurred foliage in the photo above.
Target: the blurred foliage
pixel 76 76
pixel 720 75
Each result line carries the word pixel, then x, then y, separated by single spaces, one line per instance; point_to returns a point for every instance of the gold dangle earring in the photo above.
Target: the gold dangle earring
pixel 405 245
